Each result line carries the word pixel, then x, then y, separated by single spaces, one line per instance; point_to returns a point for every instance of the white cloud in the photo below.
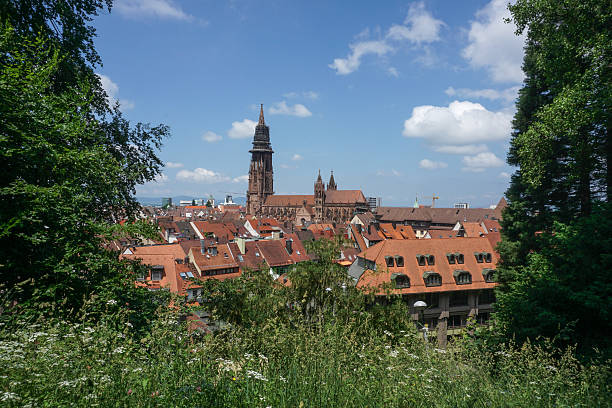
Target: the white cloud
pixel 242 130
pixel 281 108
pixel 351 63
pixel 306 94
pixel 459 123
pixel 507 95
pixel 465 149
pixel 504 175
pixel 211 137
pixel 174 165
pixel 161 178
pixel 481 161
pixel 112 93
pixel 200 175
pixel 151 8
pixel 420 26
pixel 432 165
pixel 493 45
pixel 393 72
pixel 241 179
pixel 396 173
pixel 296 157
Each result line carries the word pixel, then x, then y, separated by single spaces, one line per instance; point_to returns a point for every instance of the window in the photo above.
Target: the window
pixel 421 260
pixel 156 272
pixel 389 261
pixel 483 318
pixel 486 297
pixel 432 279
pixel 401 280
pixel 479 257
pixel 458 299
pixel 462 277
pixel 451 258
pixel 399 260
pixel 489 275
pixel 457 321
pixel 142 275
pixel 459 258
pixel 488 257
pixel 431 260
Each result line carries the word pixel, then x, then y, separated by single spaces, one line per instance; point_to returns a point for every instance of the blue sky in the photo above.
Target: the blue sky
pixel 398 98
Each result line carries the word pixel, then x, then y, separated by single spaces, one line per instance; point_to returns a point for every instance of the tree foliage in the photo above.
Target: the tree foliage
pixel 70 161
pixel 555 271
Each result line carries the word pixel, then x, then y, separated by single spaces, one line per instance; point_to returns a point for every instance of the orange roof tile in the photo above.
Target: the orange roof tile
pixel 409 249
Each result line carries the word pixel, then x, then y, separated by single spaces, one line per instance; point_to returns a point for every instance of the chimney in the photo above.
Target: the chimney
pixel 369 228
pixel 289 246
pixel 241 245
pixel 203 246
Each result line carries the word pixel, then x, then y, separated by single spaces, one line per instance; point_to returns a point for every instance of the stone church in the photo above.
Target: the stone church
pixel 325 205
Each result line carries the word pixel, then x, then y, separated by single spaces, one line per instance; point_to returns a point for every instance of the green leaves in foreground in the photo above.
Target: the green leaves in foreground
pixel 69 174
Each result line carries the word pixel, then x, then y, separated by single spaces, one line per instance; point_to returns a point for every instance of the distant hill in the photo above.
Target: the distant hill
pixel 156 201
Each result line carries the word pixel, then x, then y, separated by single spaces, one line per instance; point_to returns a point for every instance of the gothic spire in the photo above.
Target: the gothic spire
pixel 261 116
pixel 332 183
pixel 319 180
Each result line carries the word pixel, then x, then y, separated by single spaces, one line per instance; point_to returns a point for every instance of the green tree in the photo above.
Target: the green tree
pixel 562 148
pixel 69 174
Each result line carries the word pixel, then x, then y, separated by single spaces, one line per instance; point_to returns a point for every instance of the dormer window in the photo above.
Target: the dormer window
pixel 462 277
pixel 479 257
pixel 156 272
pixel 389 261
pixel 489 275
pixel 451 259
pixel 399 260
pixel 432 278
pixel 431 260
pixel 400 280
pixel 488 257
pixel 459 257
pixel 421 260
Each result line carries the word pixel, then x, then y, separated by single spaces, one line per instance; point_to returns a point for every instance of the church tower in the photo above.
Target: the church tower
pixel 319 198
pixel 261 180
pixel 332 183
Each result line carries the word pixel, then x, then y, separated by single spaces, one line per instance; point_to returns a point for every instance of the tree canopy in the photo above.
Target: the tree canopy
pixel 71 162
pixel 555 268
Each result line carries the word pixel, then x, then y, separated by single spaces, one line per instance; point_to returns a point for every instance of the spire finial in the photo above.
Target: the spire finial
pixel 261 116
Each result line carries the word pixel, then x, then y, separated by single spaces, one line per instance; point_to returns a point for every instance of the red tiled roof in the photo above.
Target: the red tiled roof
pixel 409 249
pixel 356 235
pixel 223 260
pixel 448 216
pixel 344 197
pixel 219 229
pixel 473 229
pixel 289 200
pixel 442 233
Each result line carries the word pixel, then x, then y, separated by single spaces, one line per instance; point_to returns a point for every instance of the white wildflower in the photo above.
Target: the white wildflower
pixel 111 302
pixel 9 396
pixel 256 375
pixel 119 350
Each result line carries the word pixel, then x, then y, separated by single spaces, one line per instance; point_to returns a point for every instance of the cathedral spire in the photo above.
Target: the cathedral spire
pixel 332 183
pixel 261 116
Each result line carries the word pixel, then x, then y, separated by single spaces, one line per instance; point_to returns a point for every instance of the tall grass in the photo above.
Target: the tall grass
pixel 276 364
